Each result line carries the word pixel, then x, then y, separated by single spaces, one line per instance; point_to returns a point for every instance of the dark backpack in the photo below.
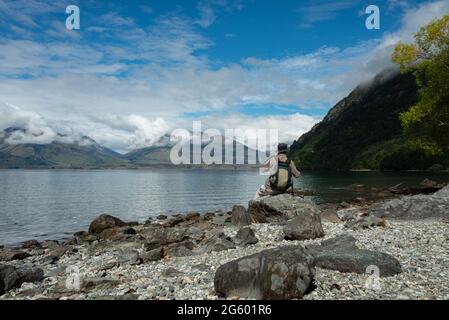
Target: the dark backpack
pixel 282 179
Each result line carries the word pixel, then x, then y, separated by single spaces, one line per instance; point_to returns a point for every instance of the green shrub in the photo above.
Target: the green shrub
pixel 436 168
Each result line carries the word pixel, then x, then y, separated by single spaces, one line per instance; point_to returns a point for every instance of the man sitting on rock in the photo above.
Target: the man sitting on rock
pixel 281 170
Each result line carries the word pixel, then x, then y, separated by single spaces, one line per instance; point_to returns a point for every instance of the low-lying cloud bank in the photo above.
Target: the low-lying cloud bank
pixel 125 133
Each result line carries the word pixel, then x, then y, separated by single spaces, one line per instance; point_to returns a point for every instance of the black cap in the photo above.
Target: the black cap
pixel 282 148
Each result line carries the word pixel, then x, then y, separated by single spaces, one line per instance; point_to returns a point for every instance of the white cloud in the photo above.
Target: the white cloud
pixel 289 127
pixel 113 19
pixel 125 133
pixel 322 10
pixel 36 128
pixel 394 4
pixel 207 10
pixel 230 35
pixel 27 13
pixel 207 16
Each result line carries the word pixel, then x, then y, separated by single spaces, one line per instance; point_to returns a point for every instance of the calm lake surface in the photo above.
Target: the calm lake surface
pixel 53 204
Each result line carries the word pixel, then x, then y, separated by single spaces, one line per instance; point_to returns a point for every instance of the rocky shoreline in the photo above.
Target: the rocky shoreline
pixel 282 247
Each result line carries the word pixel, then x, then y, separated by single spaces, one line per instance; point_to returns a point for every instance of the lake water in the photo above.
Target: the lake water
pixel 53 204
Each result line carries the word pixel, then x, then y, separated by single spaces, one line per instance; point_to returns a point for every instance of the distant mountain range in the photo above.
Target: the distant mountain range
pixel 363 131
pixel 88 154
pixel 160 155
pixel 84 154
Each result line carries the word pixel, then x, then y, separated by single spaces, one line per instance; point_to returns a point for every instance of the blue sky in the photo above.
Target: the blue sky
pixel 137 69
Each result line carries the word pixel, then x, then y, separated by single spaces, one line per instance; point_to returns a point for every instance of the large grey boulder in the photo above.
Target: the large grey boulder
pixel 12 254
pixel 11 277
pixel 218 242
pixel 156 236
pixel 160 236
pixel 117 233
pixel 50 244
pixel 179 249
pixel 329 213
pixel 348 214
pixel 280 208
pixel 184 219
pixel 56 253
pixel 443 193
pixel 152 255
pixel 342 254
pixel 245 236
pixel 103 222
pixel 129 257
pixel 281 273
pixel 82 237
pixel 31 244
pixel 414 207
pixel 303 227
pixel 239 216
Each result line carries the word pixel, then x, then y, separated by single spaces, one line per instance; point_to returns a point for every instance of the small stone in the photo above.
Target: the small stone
pixel 50 244
pixel 335 286
pixel 187 280
pixel 202 267
pixel 366 222
pixel 239 216
pixel 218 242
pixel 30 244
pixel 152 255
pixel 246 236
pixel 303 227
pixel 171 272
pixel 107 265
pixel 130 257
pixel 182 249
pixel 11 255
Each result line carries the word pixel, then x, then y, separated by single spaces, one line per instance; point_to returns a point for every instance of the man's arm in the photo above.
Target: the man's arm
pixel 295 172
pixel 266 166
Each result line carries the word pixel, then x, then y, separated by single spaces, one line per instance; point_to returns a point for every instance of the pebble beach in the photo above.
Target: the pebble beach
pixel 420 246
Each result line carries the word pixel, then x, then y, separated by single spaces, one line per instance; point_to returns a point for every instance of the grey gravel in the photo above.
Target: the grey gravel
pixel 421 246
